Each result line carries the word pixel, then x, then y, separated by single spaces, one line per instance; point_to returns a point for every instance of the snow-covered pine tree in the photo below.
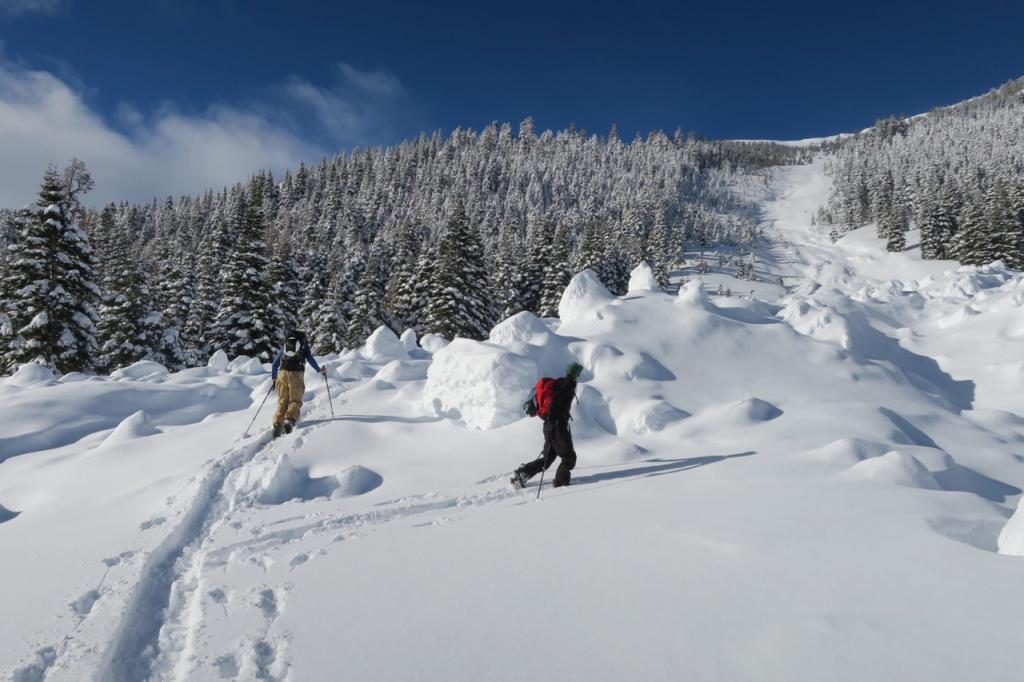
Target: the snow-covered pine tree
pixel 329 325
pixel 507 275
pixel 662 247
pixel 538 252
pixel 243 320
pixel 1003 234
pixel 367 304
pixel 413 296
pixel 971 244
pixel 556 275
pixel 896 230
pixel 314 279
pixel 590 248
pixel 635 233
pixel 459 298
pixel 403 270
pixel 199 326
pixel 285 291
pixel 130 327
pixel 48 288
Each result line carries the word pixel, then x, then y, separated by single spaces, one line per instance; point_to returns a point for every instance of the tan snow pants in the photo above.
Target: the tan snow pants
pixel 290 387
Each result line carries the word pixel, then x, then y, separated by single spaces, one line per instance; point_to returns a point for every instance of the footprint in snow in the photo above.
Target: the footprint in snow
pixel 83 605
pixel 152 523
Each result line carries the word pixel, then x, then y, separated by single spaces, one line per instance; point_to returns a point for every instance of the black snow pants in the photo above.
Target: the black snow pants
pixel 557 443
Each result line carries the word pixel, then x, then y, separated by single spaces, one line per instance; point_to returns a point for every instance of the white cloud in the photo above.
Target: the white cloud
pixel 44 120
pixel 380 83
pixel 16 7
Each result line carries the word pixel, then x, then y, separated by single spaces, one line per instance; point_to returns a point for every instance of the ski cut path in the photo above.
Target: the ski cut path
pixel 816 484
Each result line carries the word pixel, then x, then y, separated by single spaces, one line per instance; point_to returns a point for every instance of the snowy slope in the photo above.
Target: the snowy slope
pixel 803 489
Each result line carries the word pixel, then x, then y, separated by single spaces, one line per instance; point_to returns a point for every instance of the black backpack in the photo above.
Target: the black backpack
pixel 292 355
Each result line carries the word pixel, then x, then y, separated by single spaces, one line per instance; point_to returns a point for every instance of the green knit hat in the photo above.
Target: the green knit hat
pixel 573 370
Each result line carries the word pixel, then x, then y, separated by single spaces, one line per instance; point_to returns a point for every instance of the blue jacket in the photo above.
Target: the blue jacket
pixel 307 354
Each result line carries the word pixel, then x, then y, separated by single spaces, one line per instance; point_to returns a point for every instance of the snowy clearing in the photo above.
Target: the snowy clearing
pixel 818 484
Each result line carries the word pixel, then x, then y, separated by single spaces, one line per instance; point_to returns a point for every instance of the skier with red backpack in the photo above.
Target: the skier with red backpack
pixel 551 402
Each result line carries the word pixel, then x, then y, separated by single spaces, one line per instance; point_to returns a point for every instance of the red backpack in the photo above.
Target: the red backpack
pixel 540 403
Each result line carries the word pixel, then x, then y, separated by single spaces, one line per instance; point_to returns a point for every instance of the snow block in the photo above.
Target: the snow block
pixel 433 342
pixel 138 425
pixel 524 327
pixel 218 360
pixel 408 339
pixel 480 384
pixel 897 468
pixel 141 371
pixel 383 345
pixel 32 373
pixel 1011 537
pixel 582 296
pixel 692 293
pixel 642 279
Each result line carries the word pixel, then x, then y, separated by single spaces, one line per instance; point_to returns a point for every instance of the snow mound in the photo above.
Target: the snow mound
pixel 246 366
pixel 897 468
pixel 353 370
pixel 403 370
pixel 480 384
pixel 693 293
pixel 138 425
pixel 583 295
pixel 356 480
pixel 285 482
pixel 1011 537
pixel 6 514
pixel 408 339
pixel 31 373
pixel 383 345
pixel 848 450
pixel 524 327
pixel 141 371
pixel 655 415
pixel 961 314
pixel 642 279
pixel 433 342
pixel 219 360
pixel 753 410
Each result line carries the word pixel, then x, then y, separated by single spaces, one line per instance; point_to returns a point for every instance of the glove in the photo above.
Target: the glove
pixel 323 370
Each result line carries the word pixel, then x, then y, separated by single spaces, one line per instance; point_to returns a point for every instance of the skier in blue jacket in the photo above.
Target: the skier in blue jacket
pixel 290 382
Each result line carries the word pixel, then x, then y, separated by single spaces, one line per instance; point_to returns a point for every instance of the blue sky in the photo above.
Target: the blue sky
pixel 209 87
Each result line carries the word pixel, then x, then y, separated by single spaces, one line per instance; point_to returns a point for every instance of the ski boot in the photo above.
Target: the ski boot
pixel 519 478
pixel 289 425
pixel 277 430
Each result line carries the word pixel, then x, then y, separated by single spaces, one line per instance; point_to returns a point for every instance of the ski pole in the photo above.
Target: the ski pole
pixel 246 434
pixel 330 400
pixel 543 469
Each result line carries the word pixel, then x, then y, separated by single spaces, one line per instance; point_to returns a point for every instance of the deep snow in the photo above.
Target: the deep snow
pixel 811 488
